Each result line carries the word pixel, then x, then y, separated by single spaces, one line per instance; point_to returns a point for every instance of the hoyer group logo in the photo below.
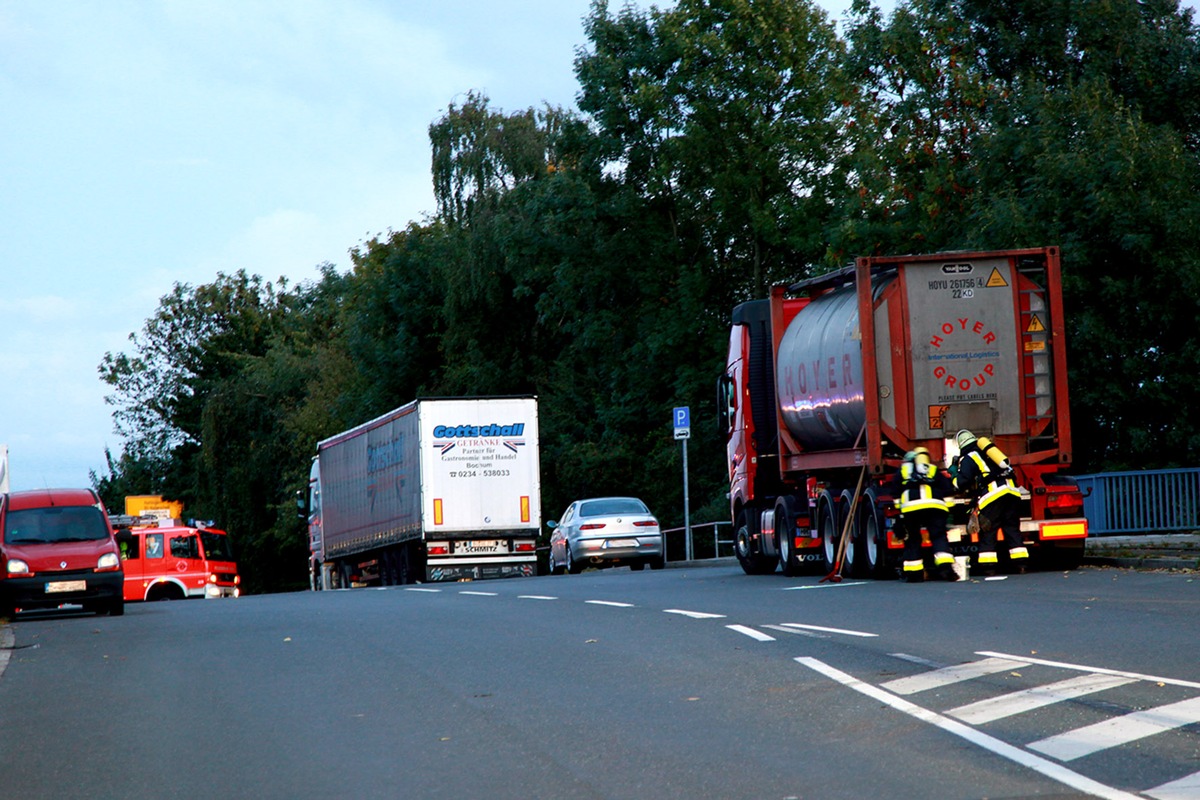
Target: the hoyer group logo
pixel 958 348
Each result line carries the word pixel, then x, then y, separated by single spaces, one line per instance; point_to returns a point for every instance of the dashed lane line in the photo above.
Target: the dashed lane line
pixel 825 586
pixel 693 614
pixel 823 629
pixel 612 603
pixel 535 597
pixel 796 631
pixel 481 594
pixel 1038 764
pixel 751 632
pixel 421 589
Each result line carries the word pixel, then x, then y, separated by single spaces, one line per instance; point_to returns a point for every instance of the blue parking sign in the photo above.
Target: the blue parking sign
pixel 683 422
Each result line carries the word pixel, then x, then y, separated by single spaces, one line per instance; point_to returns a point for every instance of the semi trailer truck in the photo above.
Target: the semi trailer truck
pixel 830 381
pixel 439 489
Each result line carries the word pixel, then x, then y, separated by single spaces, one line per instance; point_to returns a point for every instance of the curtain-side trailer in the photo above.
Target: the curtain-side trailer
pixel 439 489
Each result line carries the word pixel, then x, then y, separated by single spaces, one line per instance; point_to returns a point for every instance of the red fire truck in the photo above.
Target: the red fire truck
pixel 165 559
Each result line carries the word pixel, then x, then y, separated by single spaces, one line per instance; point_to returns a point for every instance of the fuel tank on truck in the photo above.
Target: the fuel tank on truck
pixel 819 372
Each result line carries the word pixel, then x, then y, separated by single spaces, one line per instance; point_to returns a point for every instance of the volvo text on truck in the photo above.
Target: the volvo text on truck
pixel 440 489
pixel 830 381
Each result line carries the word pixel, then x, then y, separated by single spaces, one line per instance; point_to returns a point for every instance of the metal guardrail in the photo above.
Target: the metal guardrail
pixel 706 542
pixel 1149 501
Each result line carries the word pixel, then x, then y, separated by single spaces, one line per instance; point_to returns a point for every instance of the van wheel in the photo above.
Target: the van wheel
pixel 115 608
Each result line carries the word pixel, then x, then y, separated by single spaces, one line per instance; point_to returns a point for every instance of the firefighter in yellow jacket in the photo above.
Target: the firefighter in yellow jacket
pixel 921 490
pixel 985 476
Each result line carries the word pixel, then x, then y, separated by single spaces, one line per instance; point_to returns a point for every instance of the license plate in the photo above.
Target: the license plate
pixel 66 586
pixel 480 546
pixel 622 542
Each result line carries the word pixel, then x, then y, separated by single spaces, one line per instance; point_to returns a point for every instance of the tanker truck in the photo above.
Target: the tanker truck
pixel 830 381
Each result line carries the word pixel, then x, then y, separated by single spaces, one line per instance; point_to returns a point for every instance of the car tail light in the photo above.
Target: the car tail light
pixel 591 526
pixel 1064 504
pixel 646 523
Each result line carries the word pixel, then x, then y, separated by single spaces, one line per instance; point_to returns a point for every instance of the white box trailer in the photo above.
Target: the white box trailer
pixel 439 489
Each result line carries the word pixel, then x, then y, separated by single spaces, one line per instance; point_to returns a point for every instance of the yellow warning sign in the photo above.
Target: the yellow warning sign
pixel 1035 325
pixel 996 279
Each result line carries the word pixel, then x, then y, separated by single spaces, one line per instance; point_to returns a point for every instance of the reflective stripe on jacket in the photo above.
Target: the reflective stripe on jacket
pixel 996 486
pixel 918 489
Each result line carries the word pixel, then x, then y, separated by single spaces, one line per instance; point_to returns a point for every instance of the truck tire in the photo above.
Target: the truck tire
pixel 827 525
pixel 853 555
pixel 1062 557
pixel 785 530
pixel 874 562
pixel 753 563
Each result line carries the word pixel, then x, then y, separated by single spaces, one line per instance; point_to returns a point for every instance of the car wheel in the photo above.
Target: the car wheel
pixel 658 562
pixel 553 564
pixel 637 566
pixel 573 567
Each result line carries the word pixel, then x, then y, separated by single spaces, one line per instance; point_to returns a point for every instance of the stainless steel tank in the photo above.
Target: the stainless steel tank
pixel 819 372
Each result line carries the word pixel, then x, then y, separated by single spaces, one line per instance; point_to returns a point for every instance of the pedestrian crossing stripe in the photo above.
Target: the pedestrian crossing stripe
pixel 996 280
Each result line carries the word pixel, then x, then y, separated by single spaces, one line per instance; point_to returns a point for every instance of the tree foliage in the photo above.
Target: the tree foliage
pixel 592 258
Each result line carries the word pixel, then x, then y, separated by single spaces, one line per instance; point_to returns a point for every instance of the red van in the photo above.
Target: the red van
pixel 57 548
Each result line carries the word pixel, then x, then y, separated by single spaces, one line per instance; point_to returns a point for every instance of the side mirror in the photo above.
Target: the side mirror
pixel 551 524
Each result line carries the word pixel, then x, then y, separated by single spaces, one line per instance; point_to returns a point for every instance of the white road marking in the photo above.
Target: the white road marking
pixel 828 630
pixel 1007 705
pixel 948 675
pixel 480 594
pixel 609 603
pixel 918 660
pixel 535 597
pixel 825 585
pixel 693 614
pixel 6 643
pixel 753 634
pixel 1119 730
pixel 796 631
pixel 1050 769
pixel 1186 788
pixel 420 589
pixel 1138 676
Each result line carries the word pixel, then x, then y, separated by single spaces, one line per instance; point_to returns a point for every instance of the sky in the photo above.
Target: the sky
pixel 153 142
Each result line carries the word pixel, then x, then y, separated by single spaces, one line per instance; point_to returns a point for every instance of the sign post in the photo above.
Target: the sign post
pixel 683 432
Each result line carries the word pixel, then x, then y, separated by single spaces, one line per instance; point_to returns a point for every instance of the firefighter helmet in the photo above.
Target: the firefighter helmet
pixel 964 438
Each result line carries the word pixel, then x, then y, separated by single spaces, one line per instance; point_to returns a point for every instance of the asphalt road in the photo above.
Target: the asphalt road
pixel 684 683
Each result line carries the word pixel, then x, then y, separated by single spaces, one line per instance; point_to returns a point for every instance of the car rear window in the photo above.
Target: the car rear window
pixel 617 505
pixel 55 524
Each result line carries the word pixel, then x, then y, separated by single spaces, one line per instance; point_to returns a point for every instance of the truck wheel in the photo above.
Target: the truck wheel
pixel 1062 557
pixel 827 524
pixel 743 547
pixel 874 538
pixel 854 545
pixel 785 529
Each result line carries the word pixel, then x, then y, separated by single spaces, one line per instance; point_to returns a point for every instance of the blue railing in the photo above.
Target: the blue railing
pixel 1150 501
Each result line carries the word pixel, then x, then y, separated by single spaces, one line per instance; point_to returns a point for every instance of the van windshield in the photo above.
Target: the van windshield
pixel 55 524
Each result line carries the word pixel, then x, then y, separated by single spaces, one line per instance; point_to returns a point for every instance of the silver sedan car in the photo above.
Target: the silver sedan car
pixel 605 532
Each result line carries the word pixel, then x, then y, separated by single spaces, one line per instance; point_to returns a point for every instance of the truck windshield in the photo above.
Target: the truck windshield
pixel 216 546
pixel 55 524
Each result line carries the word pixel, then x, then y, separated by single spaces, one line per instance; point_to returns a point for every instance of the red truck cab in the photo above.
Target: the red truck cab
pixel 57 548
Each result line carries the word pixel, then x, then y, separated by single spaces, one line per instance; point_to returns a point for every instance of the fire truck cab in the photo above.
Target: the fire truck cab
pixel 165 559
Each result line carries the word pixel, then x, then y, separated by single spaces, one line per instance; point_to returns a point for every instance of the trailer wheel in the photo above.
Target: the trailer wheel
pixel 874 538
pixel 753 563
pixel 827 524
pixel 854 545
